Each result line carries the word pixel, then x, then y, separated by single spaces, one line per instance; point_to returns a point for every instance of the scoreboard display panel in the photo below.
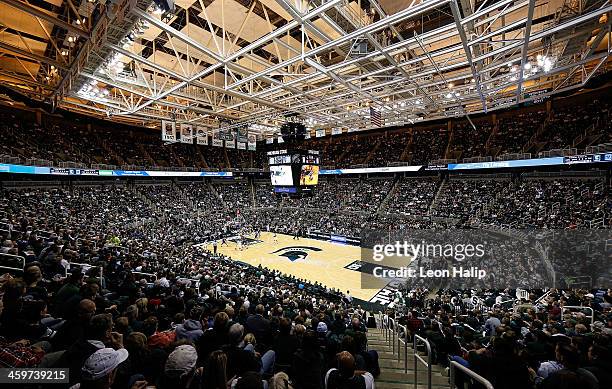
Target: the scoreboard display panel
pixel 294 172
pixel 309 175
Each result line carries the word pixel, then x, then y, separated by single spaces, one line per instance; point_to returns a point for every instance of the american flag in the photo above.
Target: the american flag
pixel 375 117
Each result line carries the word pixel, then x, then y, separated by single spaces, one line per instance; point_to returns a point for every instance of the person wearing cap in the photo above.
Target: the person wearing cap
pixel 100 368
pixel 98 334
pixel 180 369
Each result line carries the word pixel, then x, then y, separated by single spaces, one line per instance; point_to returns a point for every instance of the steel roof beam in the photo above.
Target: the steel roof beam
pixel 380 24
pixel 39 58
pixel 525 50
pixel 34 11
pixel 468 52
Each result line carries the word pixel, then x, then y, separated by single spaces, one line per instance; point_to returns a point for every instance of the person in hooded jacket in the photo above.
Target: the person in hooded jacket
pixel 191 328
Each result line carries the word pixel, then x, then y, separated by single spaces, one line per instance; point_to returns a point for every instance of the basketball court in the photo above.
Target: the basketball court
pixel 334 265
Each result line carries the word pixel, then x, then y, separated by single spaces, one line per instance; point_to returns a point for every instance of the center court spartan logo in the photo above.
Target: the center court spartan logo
pixel 295 252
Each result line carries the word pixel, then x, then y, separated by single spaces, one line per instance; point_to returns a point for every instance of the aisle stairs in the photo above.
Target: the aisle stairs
pixel 394 372
pixel 402 368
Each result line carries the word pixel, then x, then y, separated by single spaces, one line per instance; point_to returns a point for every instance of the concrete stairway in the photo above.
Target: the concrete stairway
pixel 392 374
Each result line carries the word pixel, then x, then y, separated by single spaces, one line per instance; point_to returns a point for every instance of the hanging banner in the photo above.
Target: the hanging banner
pixel 242 134
pixel 217 141
pixel 320 133
pixel 186 133
pixel 168 131
pixel 230 139
pixel 280 139
pixel 241 146
pixel 336 131
pixel 201 135
pixel 252 142
pixel 269 141
pixel 307 135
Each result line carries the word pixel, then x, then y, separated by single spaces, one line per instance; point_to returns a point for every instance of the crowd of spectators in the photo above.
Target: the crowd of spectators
pixel 390 148
pixel 569 122
pixel 515 130
pixel 529 129
pixel 115 291
pixel 412 196
pixel 535 344
pixel 468 142
pixel 527 203
pixel 237 195
pixel 428 144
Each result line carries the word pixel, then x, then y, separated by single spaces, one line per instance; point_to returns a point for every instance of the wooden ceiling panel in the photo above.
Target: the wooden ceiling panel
pixel 21 21
pixel 37 47
pixel 12 65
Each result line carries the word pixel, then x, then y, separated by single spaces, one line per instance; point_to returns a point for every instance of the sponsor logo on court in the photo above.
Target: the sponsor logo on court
pixel 293 253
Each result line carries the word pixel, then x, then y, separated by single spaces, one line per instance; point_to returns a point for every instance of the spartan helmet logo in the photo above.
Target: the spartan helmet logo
pixel 295 252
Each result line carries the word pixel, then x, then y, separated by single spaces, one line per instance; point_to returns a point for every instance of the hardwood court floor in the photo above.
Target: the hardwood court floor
pixel 310 259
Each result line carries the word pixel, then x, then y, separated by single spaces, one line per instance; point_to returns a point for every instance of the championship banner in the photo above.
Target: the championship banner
pixel 280 139
pixel 252 142
pixel 168 130
pixel 241 146
pixel 269 141
pixel 336 131
pixel 307 135
pixel 320 133
pixel 201 136
pixel 230 139
pixel 186 133
pixel 242 134
pixel 217 141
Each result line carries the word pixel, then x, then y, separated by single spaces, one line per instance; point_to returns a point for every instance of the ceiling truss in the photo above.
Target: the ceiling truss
pixel 229 63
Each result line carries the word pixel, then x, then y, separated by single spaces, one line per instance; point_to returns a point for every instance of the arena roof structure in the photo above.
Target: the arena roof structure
pixel 329 63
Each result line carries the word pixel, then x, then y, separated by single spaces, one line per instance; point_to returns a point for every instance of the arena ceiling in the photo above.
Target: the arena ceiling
pixel 229 63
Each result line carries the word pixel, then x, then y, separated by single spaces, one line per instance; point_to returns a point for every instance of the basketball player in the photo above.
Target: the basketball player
pixel 215 247
pixel 224 242
pixel 239 243
pixel 275 238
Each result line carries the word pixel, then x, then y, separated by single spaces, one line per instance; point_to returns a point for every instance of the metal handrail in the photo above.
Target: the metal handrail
pixel 392 334
pixel 85 268
pixel 152 276
pixel 568 307
pixel 405 341
pixel 479 378
pixel 14 268
pixel 542 297
pixel 418 358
